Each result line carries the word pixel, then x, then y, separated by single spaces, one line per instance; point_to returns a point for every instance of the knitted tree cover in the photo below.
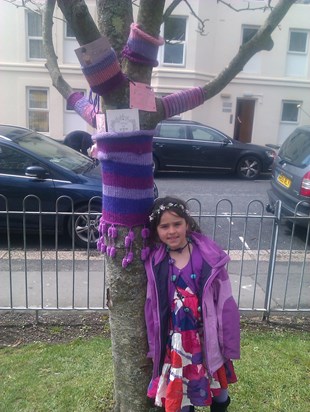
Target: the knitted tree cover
pixel 127 187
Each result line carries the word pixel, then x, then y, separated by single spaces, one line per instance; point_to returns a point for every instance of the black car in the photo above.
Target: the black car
pixel 35 171
pixel 187 145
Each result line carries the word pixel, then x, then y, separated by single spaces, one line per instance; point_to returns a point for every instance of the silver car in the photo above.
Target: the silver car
pixel 291 176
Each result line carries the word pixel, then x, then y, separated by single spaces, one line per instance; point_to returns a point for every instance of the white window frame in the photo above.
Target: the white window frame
pixel 182 42
pixel 306 45
pixel 292 103
pixel 32 37
pixel 38 109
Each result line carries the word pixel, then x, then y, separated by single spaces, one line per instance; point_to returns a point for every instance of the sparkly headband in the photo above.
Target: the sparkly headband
pixel 168 206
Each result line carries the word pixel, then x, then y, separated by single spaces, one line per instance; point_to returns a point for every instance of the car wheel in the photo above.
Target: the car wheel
pixel 85 226
pixel 249 168
pixel 155 165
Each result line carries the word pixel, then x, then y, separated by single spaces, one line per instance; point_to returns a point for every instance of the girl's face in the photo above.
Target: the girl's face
pixel 172 230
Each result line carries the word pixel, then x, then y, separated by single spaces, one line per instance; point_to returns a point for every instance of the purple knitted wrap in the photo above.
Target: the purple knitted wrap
pixel 127 189
pixel 127 176
pixel 106 75
pixel 180 102
pixel 83 107
pixel 141 47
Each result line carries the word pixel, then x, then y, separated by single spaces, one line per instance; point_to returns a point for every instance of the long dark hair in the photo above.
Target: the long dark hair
pixel 175 205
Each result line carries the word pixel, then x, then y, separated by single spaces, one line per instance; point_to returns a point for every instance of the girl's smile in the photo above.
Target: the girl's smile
pixel 172 230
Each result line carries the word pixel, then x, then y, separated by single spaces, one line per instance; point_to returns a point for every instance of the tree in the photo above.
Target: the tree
pixel 127 284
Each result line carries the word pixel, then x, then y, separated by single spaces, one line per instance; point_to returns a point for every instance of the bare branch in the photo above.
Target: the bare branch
pixel 201 23
pixel 171 8
pixel 248 8
pixel 51 59
pixel 261 41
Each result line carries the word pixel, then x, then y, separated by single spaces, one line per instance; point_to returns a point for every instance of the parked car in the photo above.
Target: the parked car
pixel 34 164
pixel 290 181
pixel 187 145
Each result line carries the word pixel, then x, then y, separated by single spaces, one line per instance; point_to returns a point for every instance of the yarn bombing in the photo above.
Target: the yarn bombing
pixel 83 107
pixel 105 75
pixel 141 47
pixel 183 101
pixel 127 188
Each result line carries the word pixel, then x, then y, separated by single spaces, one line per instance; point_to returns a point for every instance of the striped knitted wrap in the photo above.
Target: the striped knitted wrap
pixel 105 75
pixel 141 47
pixel 182 101
pixel 83 107
pixel 127 186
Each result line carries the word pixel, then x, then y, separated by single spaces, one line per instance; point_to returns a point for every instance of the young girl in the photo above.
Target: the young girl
pixel 191 317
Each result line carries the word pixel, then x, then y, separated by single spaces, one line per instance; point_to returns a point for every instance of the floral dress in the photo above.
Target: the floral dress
pixel 184 379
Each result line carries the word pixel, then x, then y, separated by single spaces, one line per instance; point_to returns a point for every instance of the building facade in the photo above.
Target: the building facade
pixel 263 104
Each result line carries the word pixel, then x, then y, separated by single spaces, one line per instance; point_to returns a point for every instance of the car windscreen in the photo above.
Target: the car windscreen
pixel 54 151
pixel 296 149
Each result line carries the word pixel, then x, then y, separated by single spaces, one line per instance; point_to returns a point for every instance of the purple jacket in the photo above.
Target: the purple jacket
pixel 221 321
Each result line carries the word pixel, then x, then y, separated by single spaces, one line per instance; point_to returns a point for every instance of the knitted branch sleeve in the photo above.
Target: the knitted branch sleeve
pixel 105 75
pixel 83 107
pixel 141 47
pixel 180 102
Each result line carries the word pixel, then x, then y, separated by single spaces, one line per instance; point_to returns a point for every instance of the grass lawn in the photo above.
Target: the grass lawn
pixel 274 374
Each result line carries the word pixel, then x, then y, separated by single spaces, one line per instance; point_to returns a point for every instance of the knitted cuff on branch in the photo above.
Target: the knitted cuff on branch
pixel 141 47
pixel 83 107
pixel 105 75
pixel 180 102
pixel 127 185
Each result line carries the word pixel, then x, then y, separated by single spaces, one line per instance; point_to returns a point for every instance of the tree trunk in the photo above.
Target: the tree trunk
pixel 126 298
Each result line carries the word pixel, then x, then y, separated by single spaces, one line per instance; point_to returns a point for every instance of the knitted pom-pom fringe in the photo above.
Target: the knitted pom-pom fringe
pixel 106 242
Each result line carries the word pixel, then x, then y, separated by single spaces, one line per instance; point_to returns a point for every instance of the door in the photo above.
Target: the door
pixel 244 120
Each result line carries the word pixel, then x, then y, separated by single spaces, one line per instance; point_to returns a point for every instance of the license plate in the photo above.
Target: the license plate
pixel 284 181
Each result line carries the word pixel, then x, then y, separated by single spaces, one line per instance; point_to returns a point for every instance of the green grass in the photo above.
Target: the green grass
pixel 274 375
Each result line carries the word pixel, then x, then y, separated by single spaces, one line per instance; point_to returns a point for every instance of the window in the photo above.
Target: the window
pixel 69 45
pixel 290 111
pixel 175 35
pixel 297 55
pixel 14 162
pixel 298 42
pixel 38 112
pixel 248 33
pixel 68 31
pixel 254 64
pixel 207 135
pixel 172 131
pixel 35 40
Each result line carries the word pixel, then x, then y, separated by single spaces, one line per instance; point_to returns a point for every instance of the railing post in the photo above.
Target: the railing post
pixel 272 260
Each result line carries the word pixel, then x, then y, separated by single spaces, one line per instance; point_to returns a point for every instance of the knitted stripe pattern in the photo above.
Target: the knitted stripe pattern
pixel 183 101
pixel 127 186
pixel 142 47
pixel 106 75
pixel 83 107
